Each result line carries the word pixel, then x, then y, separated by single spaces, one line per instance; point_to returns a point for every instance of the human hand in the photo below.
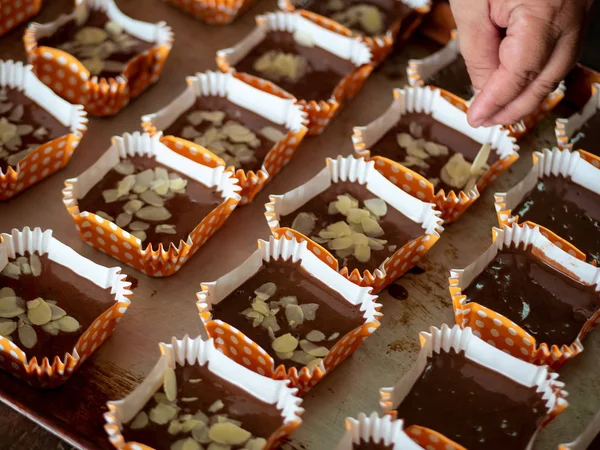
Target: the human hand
pixel 513 71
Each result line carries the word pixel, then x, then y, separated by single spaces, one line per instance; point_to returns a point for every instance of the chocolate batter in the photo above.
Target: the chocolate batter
pixel 454 78
pixel 398 228
pixel 249 119
pixel 550 306
pixel 324 70
pixel 473 405
pixel 259 418
pixel 334 315
pixel 187 209
pixel 588 136
pixel 371 445
pixel 79 297
pixel 568 210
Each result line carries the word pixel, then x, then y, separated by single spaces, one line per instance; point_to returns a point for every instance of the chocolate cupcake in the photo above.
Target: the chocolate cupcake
pixel 56 307
pixel 580 131
pixel 215 12
pixel 97 56
pixel 196 397
pixel 141 200
pixel 373 230
pixel 39 131
pixel 446 69
pixel 285 313
pixel 245 126
pixel 462 391
pixel 589 439
pixel 314 64
pixel 560 194
pixel 378 23
pixel 423 144
pixel 13 14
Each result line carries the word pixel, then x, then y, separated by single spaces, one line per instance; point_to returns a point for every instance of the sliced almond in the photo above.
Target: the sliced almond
pixel 126 184
pixel 50 328
pixel 67 324
pixel 456 172
pixel 270 322
pixel 139 421
pixel 371 227
pixel 259 305
pixel 315 336
pixel 288 300
pixel 341 243
pixel 153 213
pixel 105 216
pixel 124 219
pixel 177 184
pixel 27 336
pixel 162 414
pixel 377 206
pixel 376 244
pixel 294 315
pixel 355 215
pixel 141 235
pixel 170 384
pixel 165 229
pixel 40 313
pixel 334 336
pixel 161 397
pixel 228 433
pixel 317 351
pixel 301 357
pixel 139 226
pixel 189 133
pixel 133 206
pixel 91 35
pixel 435 149
pixel 304 223
pixel 12 271
pixel 17 113
pixel 24 129
pixel 309 310
pixel 200 434
pixel 340 229
pixel 216 406
pixel 110 195
pixel 256 444
pixel 404 140
pixel 285 344
pixel 314 363
pixel 7 327
pixel 359 239
pixel 343 204
pixel 266 290
pixel 152 198
pixel 362 253
pixel 7 292
pixel 143 180
pixel 273 134
pixel 40 133
pixel 175 427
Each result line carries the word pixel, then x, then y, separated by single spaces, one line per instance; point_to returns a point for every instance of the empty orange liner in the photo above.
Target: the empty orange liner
pixel 214 12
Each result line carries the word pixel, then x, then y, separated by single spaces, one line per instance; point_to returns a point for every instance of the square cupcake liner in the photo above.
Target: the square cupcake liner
pixel 51 374
pixel 214 12
pixel 585 438
pixel 109 238
pixel 566 128
pixel 375 429
pixel 381 46
pixel 432 101
pixel 419 70
pixel 362 172
pixel 249 94
pixel 319 112
pixel 188 351
pixel 69 78
pixel 236 345
pixel 446 339
pixel 579 167
pixel 53 155
pixel 500 331
pixel 13 14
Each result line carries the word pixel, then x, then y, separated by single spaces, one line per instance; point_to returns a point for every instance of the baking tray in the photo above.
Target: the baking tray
pixel 162 308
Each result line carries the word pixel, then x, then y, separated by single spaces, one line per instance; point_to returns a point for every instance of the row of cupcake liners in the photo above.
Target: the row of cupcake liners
pixel 13 14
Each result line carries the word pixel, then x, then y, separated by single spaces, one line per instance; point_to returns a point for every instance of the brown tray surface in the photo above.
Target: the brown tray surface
pixel 162 308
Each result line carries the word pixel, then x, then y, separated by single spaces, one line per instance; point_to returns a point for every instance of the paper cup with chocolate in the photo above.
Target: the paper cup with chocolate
pixel 464 393
pixel 528 297
pixel 370 230
pixel 589 439
pixel 56 307
pixel 376 433
pixel 214 12
pixel 98 56
pixel 39 131
pixel 446 69
pixel 14 13
pixel 149 206
pixel 423 144
pixel 561 195
pixel 287 314
pixel 195 398
pixel 580 131
pixel 377 23
pixel 246 127
pixel 315 64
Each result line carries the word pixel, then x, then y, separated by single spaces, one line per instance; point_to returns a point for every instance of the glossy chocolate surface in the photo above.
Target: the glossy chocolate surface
pixel 433 131
pixel 371 445
pixel 187 210
pixel 67 32
pixel 334 315
pixel 78 296
pixel 454 78
pixel 259 418
pixel 472 405
pixel 324 70
pixel 247 118
pixel 33 115
pixel 567 209
pixel 550 306
pixel 588 136
pixel 398 228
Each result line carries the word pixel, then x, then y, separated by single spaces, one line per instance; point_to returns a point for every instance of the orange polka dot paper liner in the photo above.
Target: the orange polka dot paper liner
pixel 200 352
pixel 384 431
pixel 13 13
pixel 429 100
pixel 455 339
pixel 52 155
pixel 578 167
pixel 362 172
pixel 381 46
pixel 243 350
pixel 584 440
pixel 69 78
pixel 500 331
pixel 566 129
pixel 420 70
pixel 320 112
pixel 214 12
pixel 46 373
pixel 246 93
pixel 109 238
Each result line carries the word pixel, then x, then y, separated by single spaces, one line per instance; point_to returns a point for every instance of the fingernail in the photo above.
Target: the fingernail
pixel 476 122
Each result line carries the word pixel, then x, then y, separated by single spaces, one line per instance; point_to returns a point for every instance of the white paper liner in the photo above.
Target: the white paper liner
pixel 376 429
pixel 586 438
pixel 574 123
pixel 200 352
pixel 446 339
pixel 428 100
pixel 16 75
pixel 291 250
pixel 19 242
pixel 144 144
